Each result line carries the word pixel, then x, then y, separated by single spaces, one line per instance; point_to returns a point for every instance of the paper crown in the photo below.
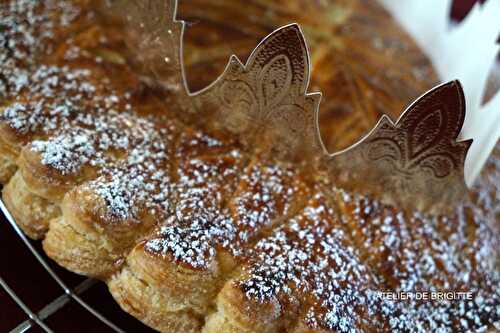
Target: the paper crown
pixel 415 162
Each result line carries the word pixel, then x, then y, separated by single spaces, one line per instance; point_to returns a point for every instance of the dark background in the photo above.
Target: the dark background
pixel 460 8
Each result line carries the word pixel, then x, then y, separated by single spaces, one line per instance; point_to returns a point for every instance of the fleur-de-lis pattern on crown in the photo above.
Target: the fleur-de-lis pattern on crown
pixel 415 162
pixel 263 101
pixel 267 96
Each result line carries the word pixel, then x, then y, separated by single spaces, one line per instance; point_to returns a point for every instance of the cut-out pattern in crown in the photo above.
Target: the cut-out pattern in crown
pixel 264 99
pixel 267 96
pixel 415 162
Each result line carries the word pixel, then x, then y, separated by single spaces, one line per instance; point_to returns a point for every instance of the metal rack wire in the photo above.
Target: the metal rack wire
pixel 37 319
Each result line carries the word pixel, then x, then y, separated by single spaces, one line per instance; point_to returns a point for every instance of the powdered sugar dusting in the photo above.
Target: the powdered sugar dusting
pixel 389 250
pixel 309 257
pixel 264 193
pixel 27 31
pixel 73 115
pixel 130 189
pixel 67 152
pixel 330 258
pixel 267 191
pixel 200 223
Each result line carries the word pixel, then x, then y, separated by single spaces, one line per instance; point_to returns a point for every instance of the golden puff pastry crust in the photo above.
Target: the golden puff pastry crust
pixel 195 230
pixel 31 211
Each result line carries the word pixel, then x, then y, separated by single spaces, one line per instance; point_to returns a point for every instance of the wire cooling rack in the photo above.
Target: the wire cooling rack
pixel 39 296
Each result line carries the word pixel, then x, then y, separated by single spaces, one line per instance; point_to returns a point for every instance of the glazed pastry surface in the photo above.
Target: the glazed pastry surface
pixel 194 230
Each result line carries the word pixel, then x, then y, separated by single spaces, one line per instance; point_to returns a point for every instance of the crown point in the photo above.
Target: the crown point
pixel 417 162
